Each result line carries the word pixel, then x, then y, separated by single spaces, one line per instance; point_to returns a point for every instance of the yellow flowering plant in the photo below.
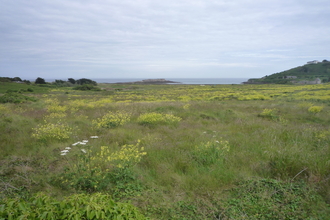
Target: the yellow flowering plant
pixel 107 169
pixel 209 152
pixel 315 109
pixel 154 118
pixel 127 156
pixel 52 131
pixel 112 120
pixel 269 114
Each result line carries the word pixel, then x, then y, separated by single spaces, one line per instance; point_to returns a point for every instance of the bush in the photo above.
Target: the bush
pixel 77 206
pixel 157 118
pixel 12 97
pixel 269 114
pixel 49 131
pixel 86 87
pixel 315 109
pixel 84 81
pixel 40 81
pixel 105 170
pixel 112 120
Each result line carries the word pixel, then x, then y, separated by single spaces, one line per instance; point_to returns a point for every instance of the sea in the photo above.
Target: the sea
pixel 197 81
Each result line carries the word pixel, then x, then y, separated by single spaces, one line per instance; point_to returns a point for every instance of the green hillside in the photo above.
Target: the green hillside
pixel 306 74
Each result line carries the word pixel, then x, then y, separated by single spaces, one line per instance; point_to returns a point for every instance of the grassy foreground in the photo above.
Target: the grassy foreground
pixel 167 151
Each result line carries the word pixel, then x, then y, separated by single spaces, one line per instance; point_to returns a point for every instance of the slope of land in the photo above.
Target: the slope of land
pixel 313 72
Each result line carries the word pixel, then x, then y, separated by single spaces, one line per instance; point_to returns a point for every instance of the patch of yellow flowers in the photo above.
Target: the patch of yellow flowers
pixel 112 120
pixel 154 118
pixel 315 109
pixel 57 131
pixel 127 156
pixel 220 146
pixel 323 135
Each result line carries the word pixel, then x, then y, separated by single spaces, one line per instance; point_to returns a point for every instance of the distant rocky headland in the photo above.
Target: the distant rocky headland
pixel 150 81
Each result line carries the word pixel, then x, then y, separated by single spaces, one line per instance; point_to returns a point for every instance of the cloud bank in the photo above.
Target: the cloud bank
pixel 151 38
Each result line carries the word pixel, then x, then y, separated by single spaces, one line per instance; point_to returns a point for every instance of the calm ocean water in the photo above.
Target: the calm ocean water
pixel 198 81
pixel 179 80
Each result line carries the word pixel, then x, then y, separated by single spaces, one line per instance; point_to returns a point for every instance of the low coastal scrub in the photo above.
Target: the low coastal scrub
pixel 13 97
pixel 167 152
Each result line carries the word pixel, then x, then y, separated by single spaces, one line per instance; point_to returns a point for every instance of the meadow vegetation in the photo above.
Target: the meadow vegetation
pixel 165 152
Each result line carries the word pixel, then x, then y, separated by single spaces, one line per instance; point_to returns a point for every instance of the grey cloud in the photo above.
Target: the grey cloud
pixel 112 34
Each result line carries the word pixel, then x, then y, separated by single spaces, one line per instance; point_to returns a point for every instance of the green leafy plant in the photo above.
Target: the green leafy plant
pixel 107 169
pixel 13 97
pixel 77 206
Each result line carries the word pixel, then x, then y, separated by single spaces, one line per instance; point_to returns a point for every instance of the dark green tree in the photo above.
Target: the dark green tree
pixel 40 81
pixel 17 79
pixel 71 80
pixel 86 81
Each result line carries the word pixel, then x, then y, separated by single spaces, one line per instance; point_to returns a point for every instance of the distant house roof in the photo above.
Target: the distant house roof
pixel 313 62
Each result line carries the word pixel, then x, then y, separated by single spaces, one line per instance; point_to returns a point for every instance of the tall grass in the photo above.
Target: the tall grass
pixel 188 167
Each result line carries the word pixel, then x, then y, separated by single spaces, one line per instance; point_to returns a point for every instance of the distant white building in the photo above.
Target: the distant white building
pixel 313 62
pixel 289 77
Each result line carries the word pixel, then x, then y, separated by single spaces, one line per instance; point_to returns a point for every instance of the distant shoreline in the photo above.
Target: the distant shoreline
pixel 179 81
pixel 150 81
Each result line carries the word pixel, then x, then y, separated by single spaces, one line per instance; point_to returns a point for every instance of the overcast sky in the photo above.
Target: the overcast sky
pixel 160 38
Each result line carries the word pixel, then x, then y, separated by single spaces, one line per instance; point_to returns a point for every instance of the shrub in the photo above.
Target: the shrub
pixel 112 120
pixel 59 131
pixel 84 81
pixel 40 81
pixel 157 118
pixel 269 114
pixel 77 206
pixel 106 169
pixel 12 97
pixel 127 156
pixel 86 87
pixel 315 109
pixel 56 108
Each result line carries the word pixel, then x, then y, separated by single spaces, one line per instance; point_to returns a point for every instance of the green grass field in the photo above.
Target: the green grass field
pixel 172 151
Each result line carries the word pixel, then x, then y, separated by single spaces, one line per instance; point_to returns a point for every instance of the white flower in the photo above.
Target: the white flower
pixel 84 151
pixel 67 148
pixel 64 151
pixel 62 154
pixel 217 141
pixel 85 141
pixel 75 143
pixel 204 132
pixel 94 136
pixel 82 143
